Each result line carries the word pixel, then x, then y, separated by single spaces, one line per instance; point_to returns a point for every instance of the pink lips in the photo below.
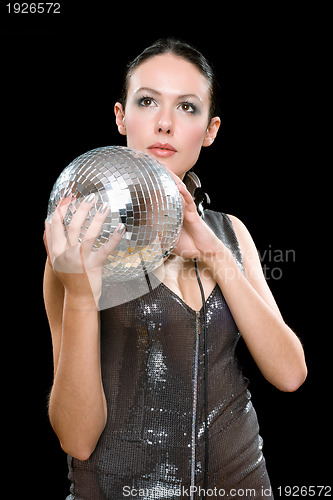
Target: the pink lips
pixel 162 150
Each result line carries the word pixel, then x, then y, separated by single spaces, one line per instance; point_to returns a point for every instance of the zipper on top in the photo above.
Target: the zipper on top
pixel 195 402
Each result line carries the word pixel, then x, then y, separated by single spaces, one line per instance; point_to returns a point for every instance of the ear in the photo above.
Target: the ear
pixel 211 132
pixel 120 118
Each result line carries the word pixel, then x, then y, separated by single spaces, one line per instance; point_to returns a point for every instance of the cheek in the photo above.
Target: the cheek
pixel 136 129
pixel 194 137
pixel 198 136
pixel 133 128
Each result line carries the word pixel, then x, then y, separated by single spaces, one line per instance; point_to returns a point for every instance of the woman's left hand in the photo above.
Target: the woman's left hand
pixel 197 240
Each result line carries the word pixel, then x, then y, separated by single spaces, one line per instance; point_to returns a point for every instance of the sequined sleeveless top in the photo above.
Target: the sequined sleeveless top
pixel 153 445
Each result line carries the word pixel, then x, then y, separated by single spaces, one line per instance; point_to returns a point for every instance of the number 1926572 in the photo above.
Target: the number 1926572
pixel 305 491
pixel 33 8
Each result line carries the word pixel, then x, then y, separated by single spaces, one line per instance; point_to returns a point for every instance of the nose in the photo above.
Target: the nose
pixel 164 124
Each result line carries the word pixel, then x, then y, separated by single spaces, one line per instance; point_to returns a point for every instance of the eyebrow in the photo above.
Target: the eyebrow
pixel 156 92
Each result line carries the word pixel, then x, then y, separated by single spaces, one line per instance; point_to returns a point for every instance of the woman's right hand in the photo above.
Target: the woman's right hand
pixel 77 264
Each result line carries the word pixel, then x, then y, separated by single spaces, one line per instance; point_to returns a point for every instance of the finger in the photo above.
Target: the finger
pixel 63 207
pixel 187 197
pixel 58 242
pixel 184 191
pixel 175 177
pixel 96 224
pixel 110 245
pixel 75 226
pixel 66 200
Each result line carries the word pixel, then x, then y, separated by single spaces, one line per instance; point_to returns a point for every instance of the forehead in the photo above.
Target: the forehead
pixel 170 74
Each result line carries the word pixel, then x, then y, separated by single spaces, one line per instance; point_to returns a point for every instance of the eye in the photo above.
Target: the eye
pixel 146 102
pixel 187 107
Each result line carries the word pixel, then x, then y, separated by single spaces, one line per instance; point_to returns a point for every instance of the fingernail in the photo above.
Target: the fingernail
pixel 89 198
pixel 103 208
pixel 121 228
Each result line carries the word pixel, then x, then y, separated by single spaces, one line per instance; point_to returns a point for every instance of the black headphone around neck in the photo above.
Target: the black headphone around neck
pixel 193 184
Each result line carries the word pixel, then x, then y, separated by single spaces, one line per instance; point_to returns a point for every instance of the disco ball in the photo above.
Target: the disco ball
pixel 140 193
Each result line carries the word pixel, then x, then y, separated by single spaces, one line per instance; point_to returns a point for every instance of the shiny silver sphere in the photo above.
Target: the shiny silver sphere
pixel 140 193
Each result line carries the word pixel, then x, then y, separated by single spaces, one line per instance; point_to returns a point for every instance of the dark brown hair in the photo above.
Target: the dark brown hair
pixel 180 49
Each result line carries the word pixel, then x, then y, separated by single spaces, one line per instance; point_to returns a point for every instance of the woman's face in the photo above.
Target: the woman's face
pixel 166 113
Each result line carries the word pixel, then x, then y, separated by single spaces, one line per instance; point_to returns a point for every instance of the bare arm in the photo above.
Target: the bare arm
pixel 274 346
pixel 77 407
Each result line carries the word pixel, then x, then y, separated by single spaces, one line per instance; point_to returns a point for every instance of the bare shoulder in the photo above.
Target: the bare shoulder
pixel 244 238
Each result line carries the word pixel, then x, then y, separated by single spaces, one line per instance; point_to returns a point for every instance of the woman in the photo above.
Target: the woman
pixel 148 398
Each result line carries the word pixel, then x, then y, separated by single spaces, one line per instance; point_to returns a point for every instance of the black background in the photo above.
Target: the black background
pixel 61 75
